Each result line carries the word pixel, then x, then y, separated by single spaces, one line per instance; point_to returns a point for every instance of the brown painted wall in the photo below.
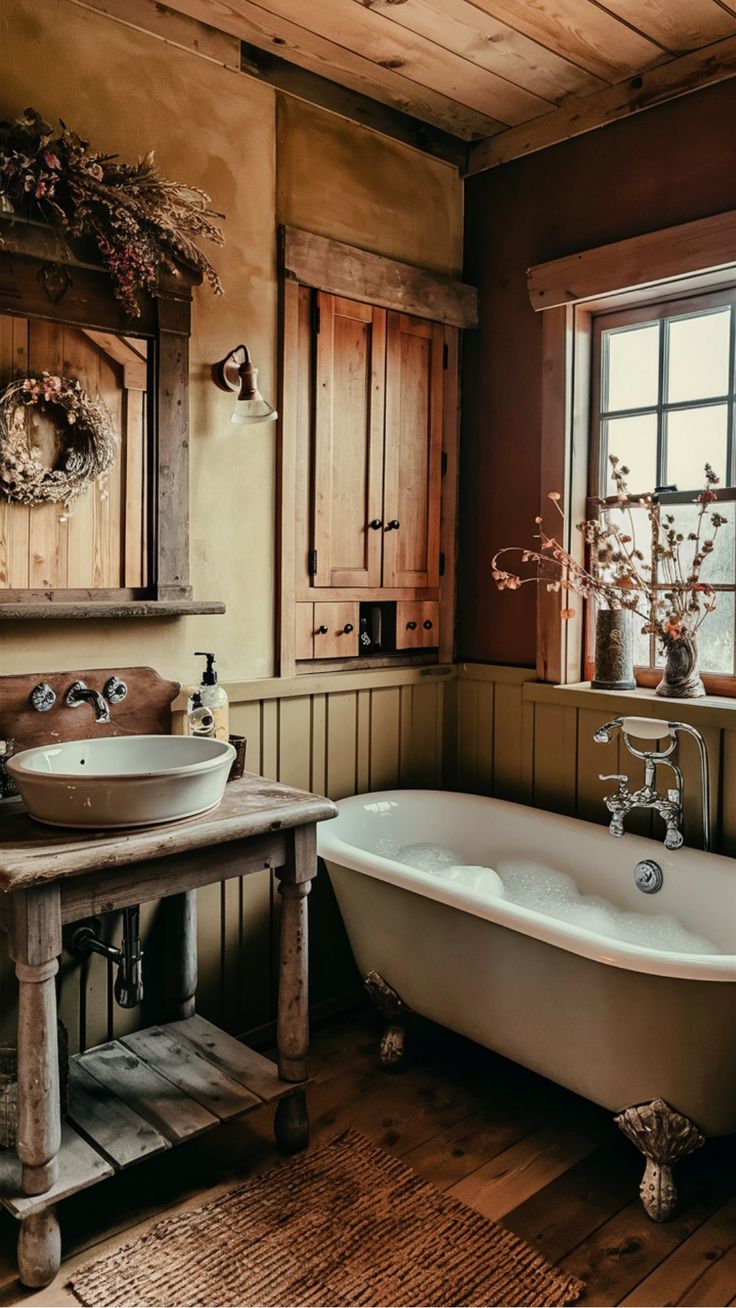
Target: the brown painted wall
pixel 667 166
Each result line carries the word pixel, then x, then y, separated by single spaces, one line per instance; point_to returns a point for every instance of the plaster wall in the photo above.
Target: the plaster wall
pixel 265 159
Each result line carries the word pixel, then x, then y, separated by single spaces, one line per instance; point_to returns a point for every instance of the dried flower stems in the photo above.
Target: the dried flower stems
pixel 669 598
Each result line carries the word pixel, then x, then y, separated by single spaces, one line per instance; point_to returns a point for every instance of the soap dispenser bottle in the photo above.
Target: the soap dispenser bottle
pixel 214 697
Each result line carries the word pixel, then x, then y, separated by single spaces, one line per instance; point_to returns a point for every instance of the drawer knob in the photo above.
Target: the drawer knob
pixel 348 628
pixel 428 625
pixel 376 524
pixel 393 525
pixel 322 631
pixel 411 626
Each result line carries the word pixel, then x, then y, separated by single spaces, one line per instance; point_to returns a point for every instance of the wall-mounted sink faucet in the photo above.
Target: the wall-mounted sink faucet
pixel 669 807
pixel 43 697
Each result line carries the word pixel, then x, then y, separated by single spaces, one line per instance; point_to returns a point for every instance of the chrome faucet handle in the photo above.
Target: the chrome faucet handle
pixel 622 779
pixel 42 697
pixel 115 690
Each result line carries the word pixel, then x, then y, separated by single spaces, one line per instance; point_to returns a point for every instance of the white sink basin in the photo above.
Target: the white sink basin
pixel 122 781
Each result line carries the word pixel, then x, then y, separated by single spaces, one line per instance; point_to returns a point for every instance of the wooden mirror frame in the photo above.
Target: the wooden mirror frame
pixel 41 277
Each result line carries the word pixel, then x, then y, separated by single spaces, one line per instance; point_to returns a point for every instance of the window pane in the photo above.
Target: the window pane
pixel 634 441
pixel 720 567
pixel 630 368
pixel 715 637
pixel 696 437
pixel 698 356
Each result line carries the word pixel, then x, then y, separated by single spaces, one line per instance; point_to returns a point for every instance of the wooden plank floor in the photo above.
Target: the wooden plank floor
pixel 548 1165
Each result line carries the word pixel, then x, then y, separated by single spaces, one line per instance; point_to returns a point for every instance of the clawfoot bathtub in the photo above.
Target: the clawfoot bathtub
pixel 559 962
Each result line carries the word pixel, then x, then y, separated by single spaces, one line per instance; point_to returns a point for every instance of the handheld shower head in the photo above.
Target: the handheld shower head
pixel 603 734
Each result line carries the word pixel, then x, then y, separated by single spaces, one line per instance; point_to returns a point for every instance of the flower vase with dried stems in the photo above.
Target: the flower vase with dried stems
pixel 664 591
pixel 681 678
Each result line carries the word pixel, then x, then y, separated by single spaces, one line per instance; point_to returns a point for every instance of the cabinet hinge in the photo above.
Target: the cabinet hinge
pixel 442 565
pixel 444 463
pixel 312 563
pixel 315 316
pixel 445 355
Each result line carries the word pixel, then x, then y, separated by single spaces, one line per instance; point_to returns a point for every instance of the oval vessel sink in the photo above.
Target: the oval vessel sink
pixel 131 781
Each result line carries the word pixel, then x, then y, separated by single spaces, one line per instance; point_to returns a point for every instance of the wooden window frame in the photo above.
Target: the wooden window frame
pixel 42 277
pixel 668 265
pixel 310 263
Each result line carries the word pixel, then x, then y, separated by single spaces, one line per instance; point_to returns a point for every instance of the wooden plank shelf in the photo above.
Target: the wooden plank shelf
pixel 133 1098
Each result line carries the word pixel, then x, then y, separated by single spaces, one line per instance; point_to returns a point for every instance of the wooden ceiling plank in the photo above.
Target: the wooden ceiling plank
pixel 581 31
pixel 474 35
pixel 252 24
pixel 678 25
pixel 690 72
pixel 353 27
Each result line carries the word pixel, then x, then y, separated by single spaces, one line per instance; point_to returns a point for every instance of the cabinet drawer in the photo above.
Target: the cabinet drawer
pixel 417 624
pixel 336 631
pixel 327 631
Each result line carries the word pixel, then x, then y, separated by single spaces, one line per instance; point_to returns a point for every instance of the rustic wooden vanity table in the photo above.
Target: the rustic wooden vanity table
pixel 160 1086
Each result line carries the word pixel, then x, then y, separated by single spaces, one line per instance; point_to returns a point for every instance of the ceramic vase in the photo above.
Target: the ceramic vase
pixel 681 678
pixel 614 650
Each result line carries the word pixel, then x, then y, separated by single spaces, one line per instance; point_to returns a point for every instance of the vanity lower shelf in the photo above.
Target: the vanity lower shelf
pixel 138 1096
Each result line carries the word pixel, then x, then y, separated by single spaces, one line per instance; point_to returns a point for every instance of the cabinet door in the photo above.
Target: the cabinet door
pixel 348 445
pixel 413 453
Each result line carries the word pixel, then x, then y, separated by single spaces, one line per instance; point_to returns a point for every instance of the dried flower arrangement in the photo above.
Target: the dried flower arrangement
pixel 140 221
pixel 665 592
pixel 88 439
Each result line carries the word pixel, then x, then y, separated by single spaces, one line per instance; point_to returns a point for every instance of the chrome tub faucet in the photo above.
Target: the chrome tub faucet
pixel 670 806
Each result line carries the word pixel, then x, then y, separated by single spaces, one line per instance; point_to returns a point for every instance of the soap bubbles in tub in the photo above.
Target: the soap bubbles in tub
pixel 551 893
pixel 446 863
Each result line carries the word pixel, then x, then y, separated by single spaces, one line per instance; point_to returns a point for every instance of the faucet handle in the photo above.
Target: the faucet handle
pixel 42 697
pixel 115 690
pixel 613 776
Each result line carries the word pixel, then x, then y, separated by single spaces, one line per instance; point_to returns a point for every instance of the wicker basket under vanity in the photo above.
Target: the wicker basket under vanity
pixel 9 1086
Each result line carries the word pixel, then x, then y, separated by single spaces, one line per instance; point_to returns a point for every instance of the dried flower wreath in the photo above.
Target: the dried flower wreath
pixel 89 440
pixel 140 221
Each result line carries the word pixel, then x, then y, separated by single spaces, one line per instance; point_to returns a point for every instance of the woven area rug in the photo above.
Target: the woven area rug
pixel 341 1225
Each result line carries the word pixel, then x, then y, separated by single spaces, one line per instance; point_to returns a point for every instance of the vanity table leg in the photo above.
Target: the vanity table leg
pixel 35 944
pixel 292 1029
pixel 181 954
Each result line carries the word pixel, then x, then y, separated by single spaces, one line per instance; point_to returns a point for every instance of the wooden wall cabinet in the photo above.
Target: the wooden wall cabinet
pixel 368 449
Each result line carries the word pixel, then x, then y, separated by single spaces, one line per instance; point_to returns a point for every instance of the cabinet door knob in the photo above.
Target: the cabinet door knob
pixel 393 525
pixel 428 625
pixel 376 524
pixel 348 628
pixel 322 631
pixel 411 626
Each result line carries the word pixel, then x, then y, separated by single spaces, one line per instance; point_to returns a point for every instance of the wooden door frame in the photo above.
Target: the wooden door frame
pixel 310 261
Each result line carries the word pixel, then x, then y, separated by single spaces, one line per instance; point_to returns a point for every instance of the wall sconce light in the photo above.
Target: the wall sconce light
pixel 236 373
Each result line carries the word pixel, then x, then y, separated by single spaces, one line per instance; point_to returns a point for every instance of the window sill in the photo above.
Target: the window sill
pixel 711 711
pixel 60 610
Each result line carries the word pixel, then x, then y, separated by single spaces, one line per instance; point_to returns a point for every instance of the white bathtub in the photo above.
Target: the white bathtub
pixel 619 1023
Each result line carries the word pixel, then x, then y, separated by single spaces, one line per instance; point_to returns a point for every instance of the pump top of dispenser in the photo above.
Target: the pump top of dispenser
pixel 209 676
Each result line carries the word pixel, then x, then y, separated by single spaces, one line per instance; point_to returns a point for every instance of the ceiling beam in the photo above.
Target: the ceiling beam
pixel 691 72
pixel 326 94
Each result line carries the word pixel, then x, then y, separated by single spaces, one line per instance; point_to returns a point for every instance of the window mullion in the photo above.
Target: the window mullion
pixel 661 383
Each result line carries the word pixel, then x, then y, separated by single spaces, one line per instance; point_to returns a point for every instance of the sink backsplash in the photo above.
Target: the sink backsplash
pixel 145 710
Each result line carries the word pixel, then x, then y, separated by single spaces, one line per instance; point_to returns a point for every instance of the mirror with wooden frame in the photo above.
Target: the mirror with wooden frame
pixel 120 548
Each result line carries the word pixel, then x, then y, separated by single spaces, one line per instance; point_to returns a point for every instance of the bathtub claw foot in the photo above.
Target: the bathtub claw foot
pixel 392 1049
pixel 663 1136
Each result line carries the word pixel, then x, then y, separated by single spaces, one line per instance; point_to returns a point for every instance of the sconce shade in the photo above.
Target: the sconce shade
pixel 236 373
